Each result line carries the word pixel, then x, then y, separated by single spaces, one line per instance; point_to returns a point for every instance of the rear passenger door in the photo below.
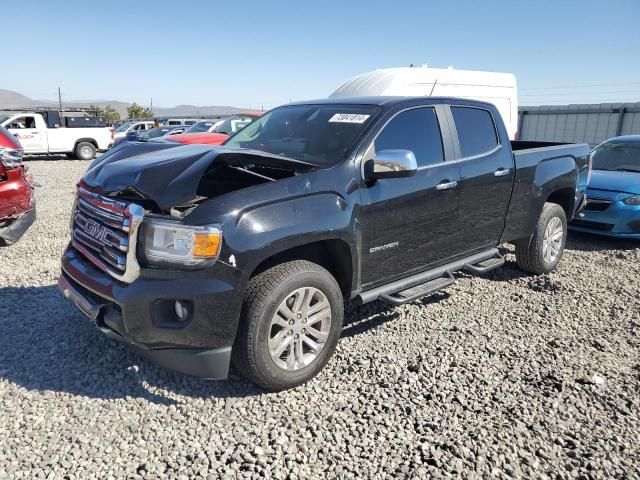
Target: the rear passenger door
pixel 410 223
pixel 487 173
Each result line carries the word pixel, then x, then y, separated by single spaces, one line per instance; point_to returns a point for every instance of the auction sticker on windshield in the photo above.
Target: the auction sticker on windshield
pixel 349 118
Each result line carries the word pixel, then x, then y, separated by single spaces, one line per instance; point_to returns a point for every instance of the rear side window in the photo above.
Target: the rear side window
pixel 476 130
pixel 416 130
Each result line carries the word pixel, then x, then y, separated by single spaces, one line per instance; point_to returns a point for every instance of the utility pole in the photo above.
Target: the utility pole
pixel 59 99
pixel 152 105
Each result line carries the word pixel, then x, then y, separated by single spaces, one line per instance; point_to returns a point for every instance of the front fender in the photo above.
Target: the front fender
pixel 270 229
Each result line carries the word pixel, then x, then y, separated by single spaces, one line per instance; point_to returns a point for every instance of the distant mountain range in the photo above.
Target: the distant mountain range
pixel 11 99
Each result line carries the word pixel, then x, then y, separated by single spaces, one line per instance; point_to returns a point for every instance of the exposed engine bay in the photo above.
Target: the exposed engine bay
pixel 173 179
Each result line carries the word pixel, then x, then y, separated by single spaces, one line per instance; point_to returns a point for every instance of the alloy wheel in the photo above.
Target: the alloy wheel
pixel 552 241
pixel 299 328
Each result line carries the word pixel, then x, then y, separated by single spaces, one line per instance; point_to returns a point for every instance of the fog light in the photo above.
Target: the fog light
pixel 181 311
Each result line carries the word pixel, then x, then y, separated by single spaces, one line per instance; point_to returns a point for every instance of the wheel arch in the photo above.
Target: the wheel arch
pixel 333 254
pixel 565 197
pixel 90 140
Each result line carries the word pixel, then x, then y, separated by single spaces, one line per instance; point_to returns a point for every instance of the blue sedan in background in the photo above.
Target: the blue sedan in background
pixel 613 194
pixel 155 133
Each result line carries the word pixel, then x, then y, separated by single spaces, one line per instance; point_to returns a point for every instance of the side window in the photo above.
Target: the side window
pixel 416 130
pixel 476 130
pixel 23 122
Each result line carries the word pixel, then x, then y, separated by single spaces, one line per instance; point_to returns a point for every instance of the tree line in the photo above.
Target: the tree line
pixel 112 115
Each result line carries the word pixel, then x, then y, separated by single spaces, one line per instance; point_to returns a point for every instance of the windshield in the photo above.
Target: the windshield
pixel 200 127
pixel 123 127
pixel 4 118
pixel 233 124
pixel 318 134
pixel 614 156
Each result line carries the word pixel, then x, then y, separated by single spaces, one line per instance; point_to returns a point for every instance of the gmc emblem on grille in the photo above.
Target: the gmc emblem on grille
pixel 97 231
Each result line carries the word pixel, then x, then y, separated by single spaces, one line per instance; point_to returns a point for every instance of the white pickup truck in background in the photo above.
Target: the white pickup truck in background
pixel 37 136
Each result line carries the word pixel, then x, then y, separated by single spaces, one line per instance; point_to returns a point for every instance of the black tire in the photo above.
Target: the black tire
pixel 71 156
pixel 530 253
pixel 264 295
pixel 85 151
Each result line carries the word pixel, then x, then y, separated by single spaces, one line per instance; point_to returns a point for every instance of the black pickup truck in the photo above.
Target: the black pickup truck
pixel 199 255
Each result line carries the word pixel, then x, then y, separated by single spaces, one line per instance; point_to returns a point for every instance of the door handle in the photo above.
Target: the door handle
pixel 502 172
pixel 446 185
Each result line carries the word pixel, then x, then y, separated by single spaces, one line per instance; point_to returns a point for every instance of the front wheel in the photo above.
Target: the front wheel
pixel 542 252
pixel 290 326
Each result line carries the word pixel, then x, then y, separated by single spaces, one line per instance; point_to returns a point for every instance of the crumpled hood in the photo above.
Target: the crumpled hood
pixel 628 182
pixel 168 173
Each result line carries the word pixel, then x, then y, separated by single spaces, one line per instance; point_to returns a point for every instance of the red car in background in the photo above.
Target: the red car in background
pixel 216 133
pixel 17 202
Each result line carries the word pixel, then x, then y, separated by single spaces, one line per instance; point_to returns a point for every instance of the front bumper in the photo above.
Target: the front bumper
pixel 140 314
pixel 11 233
pixel 618 220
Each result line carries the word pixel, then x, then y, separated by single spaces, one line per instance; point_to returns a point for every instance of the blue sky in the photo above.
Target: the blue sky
pixel 265 53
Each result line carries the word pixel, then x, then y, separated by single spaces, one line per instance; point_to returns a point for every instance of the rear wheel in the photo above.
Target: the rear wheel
pixel 85 151
pixel 291 323
pixel 542 252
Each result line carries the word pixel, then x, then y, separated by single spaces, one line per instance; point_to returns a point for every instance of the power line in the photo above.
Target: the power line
pixel 565 102
pixel 579 93
pixel 581 86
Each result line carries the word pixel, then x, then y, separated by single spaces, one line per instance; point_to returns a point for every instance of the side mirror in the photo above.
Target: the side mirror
pixel 391 164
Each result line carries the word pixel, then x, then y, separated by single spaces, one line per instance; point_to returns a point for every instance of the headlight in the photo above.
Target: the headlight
pixel 172 243
pixel 632 200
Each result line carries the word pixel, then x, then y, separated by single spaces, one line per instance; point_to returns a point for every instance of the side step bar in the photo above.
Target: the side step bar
pixel 414 293
pixel 485 265
pixel 411 288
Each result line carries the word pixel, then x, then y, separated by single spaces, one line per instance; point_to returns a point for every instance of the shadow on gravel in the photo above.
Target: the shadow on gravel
pixel 361 319
pixel 50 158
pixel 47 345
pixel 364 318
pixel 588 242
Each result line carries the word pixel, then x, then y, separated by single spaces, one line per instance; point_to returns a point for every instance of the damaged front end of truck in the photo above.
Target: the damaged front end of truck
pixel 142 270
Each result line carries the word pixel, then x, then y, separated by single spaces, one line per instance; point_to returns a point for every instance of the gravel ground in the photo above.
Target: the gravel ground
pixel 494 377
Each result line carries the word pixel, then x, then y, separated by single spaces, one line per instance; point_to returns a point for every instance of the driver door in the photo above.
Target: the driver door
pixel 409 224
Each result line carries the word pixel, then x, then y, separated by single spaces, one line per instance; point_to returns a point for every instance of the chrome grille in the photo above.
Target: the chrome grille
pixel 105 231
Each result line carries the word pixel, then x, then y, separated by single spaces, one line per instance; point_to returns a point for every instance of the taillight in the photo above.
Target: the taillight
pixel 11 157
pixel 112 133
pixel 10 150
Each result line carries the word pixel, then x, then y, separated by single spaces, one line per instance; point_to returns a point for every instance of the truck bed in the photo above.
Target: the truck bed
pixel 530 153
pixel 518 145
pixel 538 166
